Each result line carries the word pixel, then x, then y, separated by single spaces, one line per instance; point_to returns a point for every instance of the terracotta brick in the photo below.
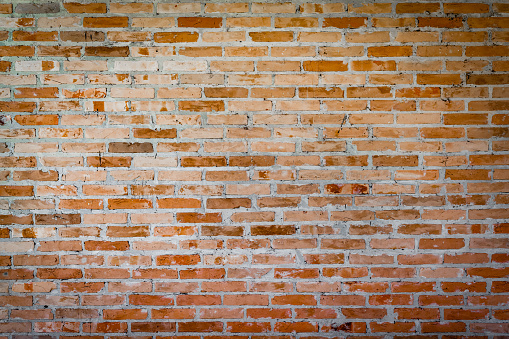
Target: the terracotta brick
pixel 199 22
pixel 105 22
pixel 76 7
pixel 354 22
pixel 292 156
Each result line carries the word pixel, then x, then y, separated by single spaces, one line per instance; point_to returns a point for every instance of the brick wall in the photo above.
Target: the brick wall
pixel 291 169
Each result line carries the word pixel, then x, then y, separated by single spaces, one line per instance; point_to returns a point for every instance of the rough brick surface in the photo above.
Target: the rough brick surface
pixel 251 169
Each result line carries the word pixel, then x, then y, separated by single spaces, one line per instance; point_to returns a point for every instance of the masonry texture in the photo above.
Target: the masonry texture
pixel 254 169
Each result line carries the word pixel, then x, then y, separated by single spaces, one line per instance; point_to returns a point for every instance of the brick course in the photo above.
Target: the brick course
pixel 254 169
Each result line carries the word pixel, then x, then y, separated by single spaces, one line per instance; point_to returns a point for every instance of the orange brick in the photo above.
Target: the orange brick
pixel 322 128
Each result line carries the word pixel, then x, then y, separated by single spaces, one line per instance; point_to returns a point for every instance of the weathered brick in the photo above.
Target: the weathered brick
pixel 290 151
pixel 35 8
